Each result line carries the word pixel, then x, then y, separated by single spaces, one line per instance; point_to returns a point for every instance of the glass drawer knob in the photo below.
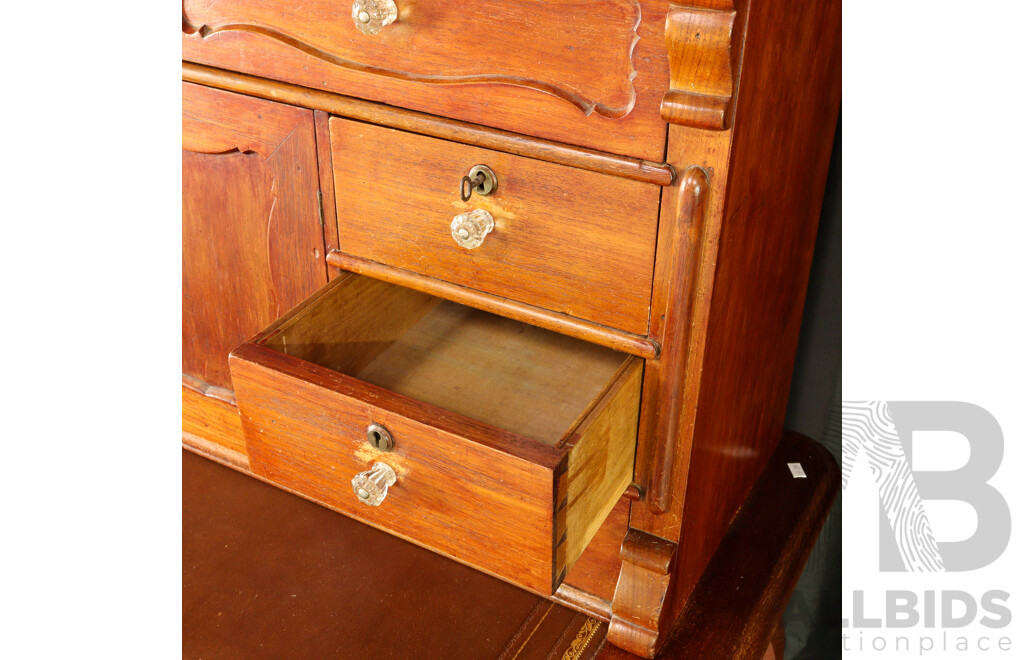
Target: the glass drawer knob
pixel 469 229
pixel 371 487
pixel 370 16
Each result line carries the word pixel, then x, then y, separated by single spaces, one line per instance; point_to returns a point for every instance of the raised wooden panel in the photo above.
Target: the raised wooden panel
pixel 526 66
pixel 252 244
pixel 567 240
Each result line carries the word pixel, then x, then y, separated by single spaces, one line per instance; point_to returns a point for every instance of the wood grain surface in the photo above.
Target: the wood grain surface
pixel 585 255
pixel 532 382
pixel 346 325
pixel 204 419
pixel 594 333
pixel 463 498
pixel 528 67
pixel 713 304
pixel 601 459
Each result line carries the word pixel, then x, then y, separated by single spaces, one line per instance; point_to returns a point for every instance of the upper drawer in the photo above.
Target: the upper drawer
pixel 590 74
pixel 509 445
pixel 568 240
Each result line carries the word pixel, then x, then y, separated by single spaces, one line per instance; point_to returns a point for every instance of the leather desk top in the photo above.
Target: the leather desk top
pixel 266 574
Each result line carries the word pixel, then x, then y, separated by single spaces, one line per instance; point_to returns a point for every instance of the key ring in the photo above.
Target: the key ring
pixel 469 185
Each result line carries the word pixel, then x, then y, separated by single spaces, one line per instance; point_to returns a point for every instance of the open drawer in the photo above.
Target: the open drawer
pixel 496 443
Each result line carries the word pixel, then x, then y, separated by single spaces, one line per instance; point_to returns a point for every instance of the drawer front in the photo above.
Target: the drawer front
pixel 524 66
pixel 480 505
pixel 567 240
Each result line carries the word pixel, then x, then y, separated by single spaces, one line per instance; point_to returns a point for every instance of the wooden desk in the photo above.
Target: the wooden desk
pixel 608 319
pixel 269 575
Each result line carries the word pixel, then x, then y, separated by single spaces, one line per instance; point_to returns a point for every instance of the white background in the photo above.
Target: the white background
pixel 90 481
pixel 932 261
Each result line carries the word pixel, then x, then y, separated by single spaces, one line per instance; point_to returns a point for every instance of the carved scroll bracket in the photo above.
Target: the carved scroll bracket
pixel 703 62
pixel 640 601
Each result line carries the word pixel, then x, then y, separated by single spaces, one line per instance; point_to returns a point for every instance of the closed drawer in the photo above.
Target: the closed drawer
pixel 568 240
pixel 591 74
pixel 511 444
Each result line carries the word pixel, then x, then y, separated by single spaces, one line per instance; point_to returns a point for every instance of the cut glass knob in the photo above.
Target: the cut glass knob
pixel 371 487
pixel 370 16
pixel 469 229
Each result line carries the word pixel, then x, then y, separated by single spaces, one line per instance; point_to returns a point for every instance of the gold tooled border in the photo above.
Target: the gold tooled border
pixel 583 637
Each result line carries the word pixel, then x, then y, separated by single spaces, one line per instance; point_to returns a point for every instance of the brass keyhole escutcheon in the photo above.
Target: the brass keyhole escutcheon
pixel 481 180
pixel 379 437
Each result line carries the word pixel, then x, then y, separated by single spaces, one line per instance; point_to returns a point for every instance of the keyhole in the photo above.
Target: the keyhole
pixel 379 438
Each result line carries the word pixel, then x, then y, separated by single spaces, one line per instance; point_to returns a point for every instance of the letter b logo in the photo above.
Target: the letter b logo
pixel 883 430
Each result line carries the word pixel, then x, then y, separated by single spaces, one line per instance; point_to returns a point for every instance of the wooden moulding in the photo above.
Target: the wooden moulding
pixel 542 318
pixel 703 62
pixel 518 496
pixel 325 167
pixel 417 122
pixel 691 207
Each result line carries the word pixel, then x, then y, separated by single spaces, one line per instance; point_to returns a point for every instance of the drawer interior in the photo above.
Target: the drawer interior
pixel 526 380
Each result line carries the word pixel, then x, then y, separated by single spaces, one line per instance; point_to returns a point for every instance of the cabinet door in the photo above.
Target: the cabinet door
pixel 252 242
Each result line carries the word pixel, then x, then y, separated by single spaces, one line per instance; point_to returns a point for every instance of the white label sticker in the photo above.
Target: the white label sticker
pixel 797 470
